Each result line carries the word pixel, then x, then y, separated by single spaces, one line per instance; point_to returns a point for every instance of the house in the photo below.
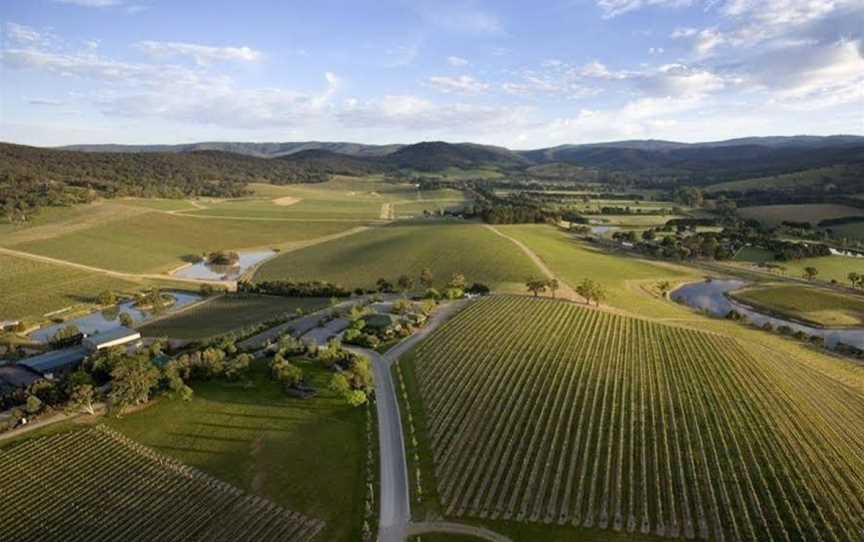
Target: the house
pixel 121 336
pixel 57 362
pixel 16 377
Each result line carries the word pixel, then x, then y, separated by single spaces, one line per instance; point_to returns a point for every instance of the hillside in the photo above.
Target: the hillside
pixel 438 155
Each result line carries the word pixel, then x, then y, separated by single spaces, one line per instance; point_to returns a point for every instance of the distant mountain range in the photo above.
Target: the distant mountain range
pixel 648 160
pixel 272 150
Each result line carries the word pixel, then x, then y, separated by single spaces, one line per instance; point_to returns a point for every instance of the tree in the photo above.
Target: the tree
pixel 131 381
pixel 810 272
pixel 405 283
pixel 339 384
pixel 855 279
pixel 664 287
pixel 591 291
pixel 33 405
pixel 206 290
pixel 126 319
pixel 237 367
pixel 106 298
pixel 81 392
pixel 553 286
pixel 356 398
pixel 384 285
pixel 426 278
pixel 457 281
pixel 536 286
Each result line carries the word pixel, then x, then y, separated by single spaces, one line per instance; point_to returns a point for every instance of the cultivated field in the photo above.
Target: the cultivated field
pixel 817 305
pixel 545 412
pixel 387 252
pixel 829 267
pixel 31 288
pixel 228 313
pixel 94 484
pixel 813 213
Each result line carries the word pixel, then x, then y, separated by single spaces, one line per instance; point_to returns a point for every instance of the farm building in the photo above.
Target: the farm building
pixel 122 336
pixel 57 362
pixel 16 377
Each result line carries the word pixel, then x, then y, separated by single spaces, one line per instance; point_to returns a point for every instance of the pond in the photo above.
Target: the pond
pixel 206 271
pixel 107 319
pixel 711 296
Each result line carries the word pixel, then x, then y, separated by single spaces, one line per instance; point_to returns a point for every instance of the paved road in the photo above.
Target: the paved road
pixel 395 493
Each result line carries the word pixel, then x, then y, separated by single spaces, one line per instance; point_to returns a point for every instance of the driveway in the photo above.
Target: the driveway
pixel 395 493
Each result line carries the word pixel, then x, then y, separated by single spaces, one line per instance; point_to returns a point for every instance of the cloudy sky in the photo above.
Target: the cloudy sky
pixel 513 73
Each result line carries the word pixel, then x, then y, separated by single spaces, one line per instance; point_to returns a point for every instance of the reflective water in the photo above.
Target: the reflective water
pixel 602 230
pixel 204 270
pixel 107 319
pixel 710 297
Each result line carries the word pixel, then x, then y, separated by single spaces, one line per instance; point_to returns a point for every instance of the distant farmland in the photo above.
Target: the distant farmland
pixel 95 484
pixel 545 412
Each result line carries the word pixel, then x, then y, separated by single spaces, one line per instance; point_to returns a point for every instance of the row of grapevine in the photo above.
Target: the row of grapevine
pixel 95 484
pixel 548 412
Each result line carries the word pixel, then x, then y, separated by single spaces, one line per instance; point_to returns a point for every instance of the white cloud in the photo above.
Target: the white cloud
pixel 201 54
pixel 613 8
pixel 46 101
pixel 464 84
pixel 703 41
pixel 679 80
pixel 457 62
pixel 656 50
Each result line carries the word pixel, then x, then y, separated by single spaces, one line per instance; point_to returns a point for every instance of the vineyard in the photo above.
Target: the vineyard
pixel 547 412
pixel 95 484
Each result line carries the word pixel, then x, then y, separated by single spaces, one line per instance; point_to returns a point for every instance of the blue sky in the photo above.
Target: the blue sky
pixel 519 74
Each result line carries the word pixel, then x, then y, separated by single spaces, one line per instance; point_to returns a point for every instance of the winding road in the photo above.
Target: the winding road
pixel 395 494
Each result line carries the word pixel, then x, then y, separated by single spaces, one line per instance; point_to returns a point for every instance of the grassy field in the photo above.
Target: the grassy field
pixel 817 305
pixel 94 484
pixel 541 411
pixel 830 268
pixel 227 313
pixel 156 242
pixel 306 455
pixel 813 213
pixel 31 288
pixel 626 279
pixel 387 252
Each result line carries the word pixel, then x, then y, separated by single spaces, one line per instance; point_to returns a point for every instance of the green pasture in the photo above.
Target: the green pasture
pixel 813 213
pixel 817 305
pixel 388 252
pixel 157 242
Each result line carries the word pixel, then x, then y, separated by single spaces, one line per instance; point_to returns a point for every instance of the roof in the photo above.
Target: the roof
pixel 18 376
pixel 57 359
pixel 113 335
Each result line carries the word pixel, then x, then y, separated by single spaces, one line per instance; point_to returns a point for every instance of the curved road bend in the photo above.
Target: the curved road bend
pixel 395 495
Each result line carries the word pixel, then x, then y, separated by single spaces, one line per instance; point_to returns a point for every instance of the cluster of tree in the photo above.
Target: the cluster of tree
pixel 591 290
pixel 856 279
pixel 293 289
pixel 511 214
pixel 538 286
pixel 222 257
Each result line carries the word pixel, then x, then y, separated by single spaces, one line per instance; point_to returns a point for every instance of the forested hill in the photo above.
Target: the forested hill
pixel 32 177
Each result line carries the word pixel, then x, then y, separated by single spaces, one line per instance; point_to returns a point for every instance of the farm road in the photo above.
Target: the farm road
pixel 565 290
pixel 395 520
